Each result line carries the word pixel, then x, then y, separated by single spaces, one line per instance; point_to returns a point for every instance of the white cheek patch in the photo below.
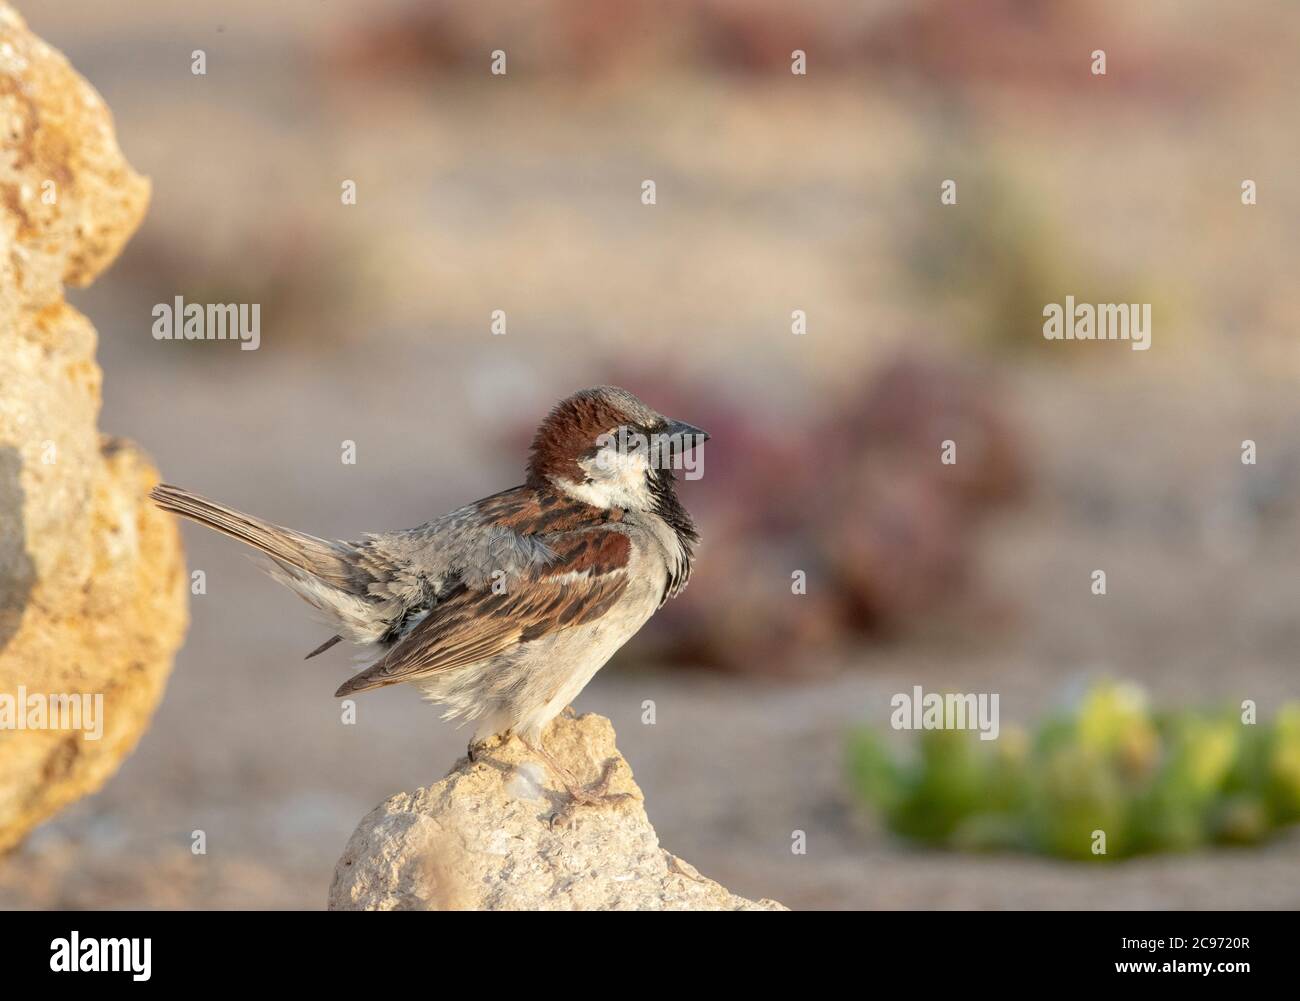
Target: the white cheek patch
pixel 618 479
pixel 612 465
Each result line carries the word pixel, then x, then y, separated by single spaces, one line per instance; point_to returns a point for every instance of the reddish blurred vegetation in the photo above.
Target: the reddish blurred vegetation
pixel 585 39
pixel 1022 44
pixel 855 496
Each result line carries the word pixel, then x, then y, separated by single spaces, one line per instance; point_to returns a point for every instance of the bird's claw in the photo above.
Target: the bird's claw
pixel 595 795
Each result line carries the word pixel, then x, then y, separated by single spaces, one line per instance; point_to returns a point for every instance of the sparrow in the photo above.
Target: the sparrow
pixel 504 609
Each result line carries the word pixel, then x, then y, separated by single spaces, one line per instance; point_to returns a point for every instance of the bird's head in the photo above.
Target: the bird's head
pixel 607 448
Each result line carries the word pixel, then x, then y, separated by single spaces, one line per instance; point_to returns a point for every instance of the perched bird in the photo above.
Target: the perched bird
pixel 503 610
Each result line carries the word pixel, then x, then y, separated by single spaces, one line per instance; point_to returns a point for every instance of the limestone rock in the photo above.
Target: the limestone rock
pixel 92 582
pixel 493 835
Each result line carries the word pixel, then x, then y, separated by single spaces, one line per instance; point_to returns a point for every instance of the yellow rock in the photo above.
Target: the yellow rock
pixel 92 580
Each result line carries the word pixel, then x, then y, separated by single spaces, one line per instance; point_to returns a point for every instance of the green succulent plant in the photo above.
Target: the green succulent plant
pixel 1108 767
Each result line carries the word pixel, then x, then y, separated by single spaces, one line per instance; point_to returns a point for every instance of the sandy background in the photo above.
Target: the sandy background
pixel 774 193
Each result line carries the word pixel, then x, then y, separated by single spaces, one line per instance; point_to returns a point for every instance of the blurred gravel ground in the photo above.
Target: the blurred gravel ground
pixel 771 198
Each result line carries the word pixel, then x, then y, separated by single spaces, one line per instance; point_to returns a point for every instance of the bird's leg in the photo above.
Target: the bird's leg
pixel 566 777
pixel 578 796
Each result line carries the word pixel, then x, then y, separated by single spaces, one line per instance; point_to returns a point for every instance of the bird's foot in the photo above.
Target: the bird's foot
pixel 477 747
pixel 593 795
pixel 579 795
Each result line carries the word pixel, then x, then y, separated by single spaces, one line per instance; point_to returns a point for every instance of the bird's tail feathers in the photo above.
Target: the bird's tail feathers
pixel 307 553
pixel 318 571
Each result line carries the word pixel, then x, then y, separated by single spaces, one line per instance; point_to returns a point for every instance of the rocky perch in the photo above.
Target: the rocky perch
pixel 92 583
pixel 495 835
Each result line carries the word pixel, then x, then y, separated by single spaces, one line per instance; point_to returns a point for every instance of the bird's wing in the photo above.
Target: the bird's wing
pixel 587 575
pixel 503 532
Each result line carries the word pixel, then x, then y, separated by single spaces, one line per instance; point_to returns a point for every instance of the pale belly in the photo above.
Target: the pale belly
pixel 528 687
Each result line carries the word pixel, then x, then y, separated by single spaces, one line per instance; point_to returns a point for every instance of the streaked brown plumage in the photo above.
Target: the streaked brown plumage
pixel 503 610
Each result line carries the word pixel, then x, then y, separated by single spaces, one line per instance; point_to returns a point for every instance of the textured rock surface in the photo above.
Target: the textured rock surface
pixel 493 835
pixel 92 583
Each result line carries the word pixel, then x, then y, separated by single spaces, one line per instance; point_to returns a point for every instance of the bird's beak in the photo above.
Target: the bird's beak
pixel 685 436
pixel 682 437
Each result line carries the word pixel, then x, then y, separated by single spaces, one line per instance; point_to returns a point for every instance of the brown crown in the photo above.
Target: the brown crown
pixel 569 433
